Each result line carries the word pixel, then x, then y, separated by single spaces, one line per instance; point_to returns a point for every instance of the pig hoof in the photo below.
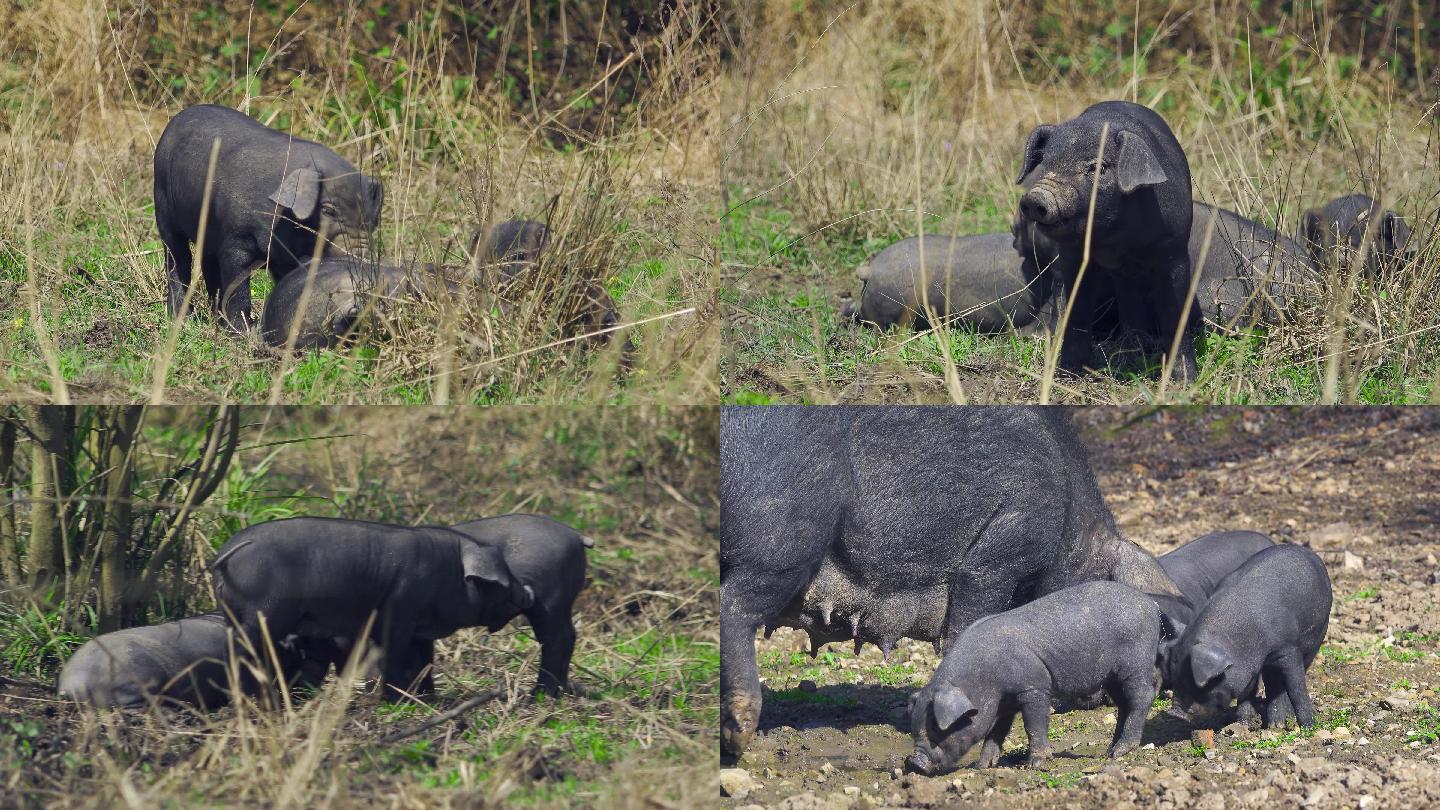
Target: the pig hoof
pixel 987 759
pixel 1038 758
pixel 1120 750
pixel 738 729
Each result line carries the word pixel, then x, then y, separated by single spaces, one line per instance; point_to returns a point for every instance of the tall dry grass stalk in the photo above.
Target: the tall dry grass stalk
pixel 870 121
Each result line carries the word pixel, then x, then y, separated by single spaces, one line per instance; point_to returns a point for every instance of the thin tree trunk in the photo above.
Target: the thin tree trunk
pixel 9 549
pixel 115 526
pixel 49 456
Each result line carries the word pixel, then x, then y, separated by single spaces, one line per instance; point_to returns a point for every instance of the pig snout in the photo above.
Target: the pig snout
pixel 1049 202
pixel 919 762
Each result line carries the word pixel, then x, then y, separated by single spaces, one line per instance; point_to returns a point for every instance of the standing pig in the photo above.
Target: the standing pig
pixel 326 579
pixel 1340 225
pixel 1088 637
pixel 1266 622
pixel 978 281
pixel 1141 225
pixel 1198 567
pixel 873 523
pixel 273 194
pixel 547 557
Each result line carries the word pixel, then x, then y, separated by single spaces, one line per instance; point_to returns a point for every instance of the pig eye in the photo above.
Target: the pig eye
pixel 328 210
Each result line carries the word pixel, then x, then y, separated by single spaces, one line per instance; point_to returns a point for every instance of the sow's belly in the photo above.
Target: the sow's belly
pixel 836 606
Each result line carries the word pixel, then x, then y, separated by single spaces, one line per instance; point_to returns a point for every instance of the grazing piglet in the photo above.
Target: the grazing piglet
pixel 1098 635
pixel 1199 566
pixel 1266 622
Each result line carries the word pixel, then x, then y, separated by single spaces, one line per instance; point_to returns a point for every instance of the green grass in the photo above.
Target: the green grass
pixel 794 336
pixel 1364 594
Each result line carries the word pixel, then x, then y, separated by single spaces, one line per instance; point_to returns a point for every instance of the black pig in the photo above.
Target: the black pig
pixel 1141 222
pixel 1095 635
pixel 876 523
pixel 1266 622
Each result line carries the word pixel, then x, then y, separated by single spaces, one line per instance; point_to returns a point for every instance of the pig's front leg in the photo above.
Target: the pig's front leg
pixel 1171 300
pixel 995 740
pixel 1276 706
pixel 1035 712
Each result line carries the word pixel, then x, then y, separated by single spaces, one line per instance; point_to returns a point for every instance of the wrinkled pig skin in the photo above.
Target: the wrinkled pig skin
pixel 873 523
pixel 1265 623
pixel 1088 637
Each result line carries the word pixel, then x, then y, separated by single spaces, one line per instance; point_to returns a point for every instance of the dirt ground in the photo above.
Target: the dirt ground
pixel 1360 487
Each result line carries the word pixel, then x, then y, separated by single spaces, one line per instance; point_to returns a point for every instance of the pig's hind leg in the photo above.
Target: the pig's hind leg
pixel 1133 697
pixel 1285 677
pixel 747 600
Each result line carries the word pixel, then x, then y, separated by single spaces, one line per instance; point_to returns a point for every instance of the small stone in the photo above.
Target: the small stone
pixel 736 783
pixel 827 769
pixel 1353 562
pixel 1324 735
pixel 1203 737
pixel 808 686
pixel 1256 798
pixel 1210 801
pixel 1148 747
pixel 1313 767
pixel 1315 797
pixel 896 773
pixel 1367 801
pixel 1342 732
pixel 851 790
pixel 1397 702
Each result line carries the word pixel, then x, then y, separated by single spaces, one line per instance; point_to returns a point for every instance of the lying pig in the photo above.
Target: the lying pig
pixel 1338 229
pixel 1138 230
pixel 1265 623
pixel 1088 637
pixel 875 523
pixel 327 302
pixel 183 661
pixel 979 281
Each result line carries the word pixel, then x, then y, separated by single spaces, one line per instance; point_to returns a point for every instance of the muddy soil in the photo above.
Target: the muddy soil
pixel 1360 487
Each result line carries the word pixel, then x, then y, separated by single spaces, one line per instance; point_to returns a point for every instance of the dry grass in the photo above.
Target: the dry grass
pixel 640 481
pixel 858 124
pixel 615 154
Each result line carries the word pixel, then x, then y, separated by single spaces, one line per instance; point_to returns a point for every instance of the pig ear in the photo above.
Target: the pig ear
pixel 1034 149
pixel 949 706
pixel 299 191
pixel 1207 663
pixel 1136 166
pixel 485 563
pixel 1170 629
